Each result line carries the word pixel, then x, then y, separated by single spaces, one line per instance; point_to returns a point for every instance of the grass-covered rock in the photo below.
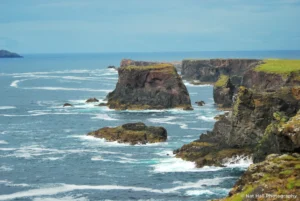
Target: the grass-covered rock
pixel 133 133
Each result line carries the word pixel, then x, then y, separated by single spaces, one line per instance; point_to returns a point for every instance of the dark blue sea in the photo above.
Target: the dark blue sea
pixel 45 154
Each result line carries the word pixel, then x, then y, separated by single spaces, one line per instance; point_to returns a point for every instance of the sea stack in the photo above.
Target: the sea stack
pixel 149 86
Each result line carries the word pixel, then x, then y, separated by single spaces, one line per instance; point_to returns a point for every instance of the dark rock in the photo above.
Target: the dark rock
pixel 7 54
pixel 148 87
pixel 133 133
pixel 200 103
pixel 223 92
pixel 113 67
pixel 67 105
pixel 92 100
pixel 210 70
pixel 102 104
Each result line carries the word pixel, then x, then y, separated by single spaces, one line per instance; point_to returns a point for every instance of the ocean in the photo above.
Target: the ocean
pixel 45 153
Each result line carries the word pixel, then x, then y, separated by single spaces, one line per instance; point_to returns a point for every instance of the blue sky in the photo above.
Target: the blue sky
pixel 73 26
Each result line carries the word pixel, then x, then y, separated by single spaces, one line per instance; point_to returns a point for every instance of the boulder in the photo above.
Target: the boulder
pixel 92 100
pixel 200 103
pixel 133 133
pixel 67 105
pixel 102 104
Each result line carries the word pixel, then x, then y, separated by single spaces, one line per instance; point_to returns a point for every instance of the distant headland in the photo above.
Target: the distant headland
pixel 8 54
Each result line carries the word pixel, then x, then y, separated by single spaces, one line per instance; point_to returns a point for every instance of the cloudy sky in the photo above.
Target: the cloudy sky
pixel 68 26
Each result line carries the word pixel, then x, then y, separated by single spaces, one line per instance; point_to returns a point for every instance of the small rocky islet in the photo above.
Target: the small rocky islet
pixel 132 133
pixel 8 54
pixel 262 100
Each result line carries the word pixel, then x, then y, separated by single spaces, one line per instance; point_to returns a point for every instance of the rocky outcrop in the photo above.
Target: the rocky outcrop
pixel 133 133
pixel 223 92
pixel 149 87
pixel 210 70
pixel 200 103
pixel 276 178
pixel 92 100
pixel 7 54
pixel 257 125
pixel 67 105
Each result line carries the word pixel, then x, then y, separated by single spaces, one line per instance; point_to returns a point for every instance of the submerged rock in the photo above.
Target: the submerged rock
pixel 67 105
pixel 133 133
pixel 276 178
pixel 200 103
pixel 102 104
pixel 149 87
pixel 92 100
pixel 113 67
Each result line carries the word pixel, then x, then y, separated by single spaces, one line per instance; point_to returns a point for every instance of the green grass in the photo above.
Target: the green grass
pixel 279 66
pixel 156 66
pixel 222 81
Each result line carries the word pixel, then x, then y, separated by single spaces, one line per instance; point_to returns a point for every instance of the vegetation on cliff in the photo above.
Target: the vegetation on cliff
pixel 133 133
pixel 149 87
pixel 279 66
pixel 276 178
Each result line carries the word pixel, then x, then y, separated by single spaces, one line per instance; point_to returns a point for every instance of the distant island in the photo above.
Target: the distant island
pixel 8 54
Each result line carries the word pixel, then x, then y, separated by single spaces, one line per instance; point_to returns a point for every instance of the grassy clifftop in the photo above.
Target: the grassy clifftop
pixel 279 66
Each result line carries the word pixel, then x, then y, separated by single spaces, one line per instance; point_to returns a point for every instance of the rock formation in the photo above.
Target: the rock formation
pixel 129 62
pixel 148 87
pixel 276 178
pixel 262 121
pixel 223 92
pixel 7 54
pixel 133 133
pixel 200 103
pixel 210 70
pixel 92 100
pixel 67 105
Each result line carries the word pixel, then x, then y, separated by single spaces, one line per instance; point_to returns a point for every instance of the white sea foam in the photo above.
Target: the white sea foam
pixel 173 164
pixel 63 188
pixel 5 168
pixel 66 89
pixel 205 118
pixel 64 198
pixel 238 161
pixel 104 117
pixel 3 142
pixel 7 107
pixel 199 192
pixel 197 85
pixel 10 183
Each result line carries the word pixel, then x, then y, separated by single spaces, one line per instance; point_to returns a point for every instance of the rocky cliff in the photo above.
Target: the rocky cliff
pixel 276 178
pixel 262 121
pixel 133 133
pixel 130 62
pixel 223 91
pixel 7 54
pixel 155 86
pixel 210 70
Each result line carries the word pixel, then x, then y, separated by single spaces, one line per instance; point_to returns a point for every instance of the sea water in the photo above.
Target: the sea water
pixel 46 155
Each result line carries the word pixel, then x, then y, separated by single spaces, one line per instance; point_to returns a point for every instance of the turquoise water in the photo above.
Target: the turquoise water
pixel 46 155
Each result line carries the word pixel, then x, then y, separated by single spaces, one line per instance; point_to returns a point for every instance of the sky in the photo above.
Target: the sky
pixel 85 26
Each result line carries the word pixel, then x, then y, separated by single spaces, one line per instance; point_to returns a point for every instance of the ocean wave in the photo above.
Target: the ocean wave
pixel 5 168
pixel 93 141
pixel 64 198
pixel 104 117
pixel 197 85
pixel 238 161
pixel 64 188
pixel 205 118
pixel 199 192
pixel 3 141
pixel 7 107
pixel 16 82
pixel 10 183
pixel 66 89
pixel 173 164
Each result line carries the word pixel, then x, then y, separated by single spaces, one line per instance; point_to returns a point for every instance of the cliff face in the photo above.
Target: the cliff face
pixel 223 92
pixel 7 54
pixel 210 70
pixel 258 125
pixel 276 178
pixel 149 87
